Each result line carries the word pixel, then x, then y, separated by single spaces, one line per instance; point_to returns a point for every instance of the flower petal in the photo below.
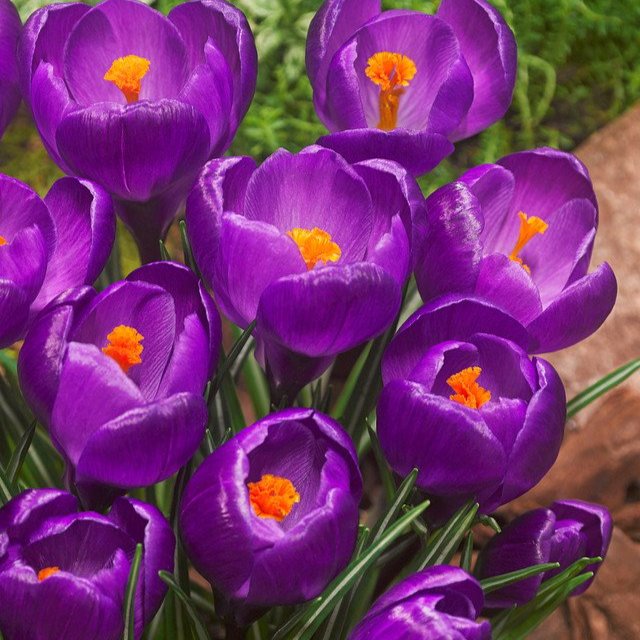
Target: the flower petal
pixel 136 151
pixel 417 151
pixel 329 310
pixel 446 242
pixel 489 48
pixel 450 445
pixel 576 313
pixel 168 431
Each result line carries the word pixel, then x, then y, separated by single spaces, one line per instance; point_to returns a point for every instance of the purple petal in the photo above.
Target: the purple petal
pixel 50 103
pixel 85 230
pixel 251 256
pixel 329 310
pixel 447 318
pixel 14 312
pixel 144 523
pixel 168 431
pixel 146 307
pixel 505 283
pixel 107 393
pixel 43 39
pixel 114 29
pixel 576 313
pixel 333 24
pixel 523 543
pixel 450 445
pixel 10 28
pixel 446 242
pixel 136 151
pixel 493 186
pixel 225 27
pixel 538 443
pixel 41 355
pixel 314 188
pixel 417 151
pixel 490 50
pixel 220 187
pixel 89 612
pixel 21 207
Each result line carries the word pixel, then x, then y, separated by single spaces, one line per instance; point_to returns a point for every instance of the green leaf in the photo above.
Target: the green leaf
pixel 130 595
pixel 7 490
pixel 20 453
pixel 200 629
pixel 467 553
pixel 321 607
pixel 187 251
pixel 445 541
pixel 381 461
pixel 228 361
pixel 164 252
pixel 611 380
pixel 497 582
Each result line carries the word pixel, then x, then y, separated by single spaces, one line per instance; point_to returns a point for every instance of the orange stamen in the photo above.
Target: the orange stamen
pixel 127 73
pixel 391 72
pixel 47 572
pixel 467 391
pixel 124 346
pixel 2 241
pixel 529 228
pixel 273 497
pixel 315 245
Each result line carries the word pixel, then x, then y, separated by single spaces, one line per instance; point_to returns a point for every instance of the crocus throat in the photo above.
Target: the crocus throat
pixel 127 73
pixel 47 572
pixel 315 246
pixel 529 228
pixel 2 241
pixel 467 391
pixel 391 72
pixel 273 497
pixel 124 346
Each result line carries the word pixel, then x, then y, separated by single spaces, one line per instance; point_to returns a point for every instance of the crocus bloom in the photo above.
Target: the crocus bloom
pixel 436 603
pixel 463 403
pixel 63 573
pixel 565 532
pixel 141 352
pixel 519 233
pixel 138 101
pixel 10 27
pixel 47 246
pixel 271 516
pixel 311 247
pixel 403 85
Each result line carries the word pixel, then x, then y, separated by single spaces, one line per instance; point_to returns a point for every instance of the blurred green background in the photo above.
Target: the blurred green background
pixel 579 67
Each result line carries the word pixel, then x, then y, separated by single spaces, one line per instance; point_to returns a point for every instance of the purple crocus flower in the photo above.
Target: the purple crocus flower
pixel 464 404
pixel 138 101
pixel 436 603
pixel 271 516
pixel 565 532
pixel 141 351
pixel 313 248
pixel 47 246
pixel 10 27
pixel 519 233
pixel 403 85
pixel 63 572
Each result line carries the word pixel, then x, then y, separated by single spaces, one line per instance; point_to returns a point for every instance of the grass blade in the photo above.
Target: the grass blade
pixel 15 464
pixel 200 629
pixel 611 380
pixel 130 595
pixel 497 582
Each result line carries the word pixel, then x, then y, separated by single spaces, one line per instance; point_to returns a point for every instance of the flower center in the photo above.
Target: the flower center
pixel 124 346
pixel 273 497
pixel 2 241
pixel 47 572
pixel 467 391
pixel 391 72
pixel 529 228
pixel 127 73
pixel 315 245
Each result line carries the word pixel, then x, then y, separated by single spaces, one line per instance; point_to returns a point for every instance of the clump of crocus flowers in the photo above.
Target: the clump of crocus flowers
pixel 331 506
